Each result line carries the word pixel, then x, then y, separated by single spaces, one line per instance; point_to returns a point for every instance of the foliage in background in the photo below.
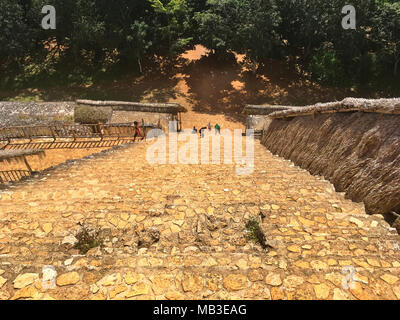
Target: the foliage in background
pixel 387 33
pixel 242 26
pixel 95 38
pixel 326 68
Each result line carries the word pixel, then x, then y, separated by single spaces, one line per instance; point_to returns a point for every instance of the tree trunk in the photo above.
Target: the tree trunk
pixel 140 65
pixel 97 56
pixel 396 66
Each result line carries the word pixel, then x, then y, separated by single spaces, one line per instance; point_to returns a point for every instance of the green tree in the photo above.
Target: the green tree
pixel 243 26
pixel 386 32
pixel 303 28
pixel 16 39
pixel 171 26
pixel 92 35
pixel 353 48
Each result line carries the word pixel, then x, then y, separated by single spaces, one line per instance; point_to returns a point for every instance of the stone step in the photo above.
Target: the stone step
pixel 217 283
pixel 222 261
pixel 138 280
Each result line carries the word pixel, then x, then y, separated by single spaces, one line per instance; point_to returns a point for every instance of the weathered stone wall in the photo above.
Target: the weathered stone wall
pixel 358 152
pixel 35 113
pixel 156 114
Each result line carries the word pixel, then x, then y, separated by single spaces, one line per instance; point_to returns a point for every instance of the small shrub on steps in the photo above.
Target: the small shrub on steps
pixel 254 233
pixel 88 238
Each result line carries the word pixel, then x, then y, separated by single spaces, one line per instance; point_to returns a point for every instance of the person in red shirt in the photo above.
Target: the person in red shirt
pixel 137 133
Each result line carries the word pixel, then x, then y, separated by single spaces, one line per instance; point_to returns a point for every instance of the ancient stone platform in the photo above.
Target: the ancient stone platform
pixel 200 212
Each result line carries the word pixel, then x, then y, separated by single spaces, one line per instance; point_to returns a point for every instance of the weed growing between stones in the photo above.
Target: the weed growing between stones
pixel 255 234
pixel 88 238
pixel 148 237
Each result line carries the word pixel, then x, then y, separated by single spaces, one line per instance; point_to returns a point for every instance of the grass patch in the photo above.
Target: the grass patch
pixel 88 238
pixel 254 232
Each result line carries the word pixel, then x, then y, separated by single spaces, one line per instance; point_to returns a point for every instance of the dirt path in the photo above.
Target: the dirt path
pixel 191 100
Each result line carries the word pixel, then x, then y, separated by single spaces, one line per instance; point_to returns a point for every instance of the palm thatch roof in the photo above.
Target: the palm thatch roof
pixel 384 106
pixel 266 109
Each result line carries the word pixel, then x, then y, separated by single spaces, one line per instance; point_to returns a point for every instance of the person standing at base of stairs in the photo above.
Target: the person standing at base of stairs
pixel 202 130
pixel 217 129
pixel 137 131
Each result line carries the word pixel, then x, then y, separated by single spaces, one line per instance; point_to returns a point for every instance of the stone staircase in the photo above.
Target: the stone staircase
pixel 322 245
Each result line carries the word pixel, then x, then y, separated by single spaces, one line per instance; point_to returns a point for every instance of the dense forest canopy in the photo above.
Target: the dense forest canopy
pixel 101 34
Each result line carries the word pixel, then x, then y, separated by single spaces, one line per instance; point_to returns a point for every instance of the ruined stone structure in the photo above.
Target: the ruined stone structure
pixel 156 114
pixel 49 113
